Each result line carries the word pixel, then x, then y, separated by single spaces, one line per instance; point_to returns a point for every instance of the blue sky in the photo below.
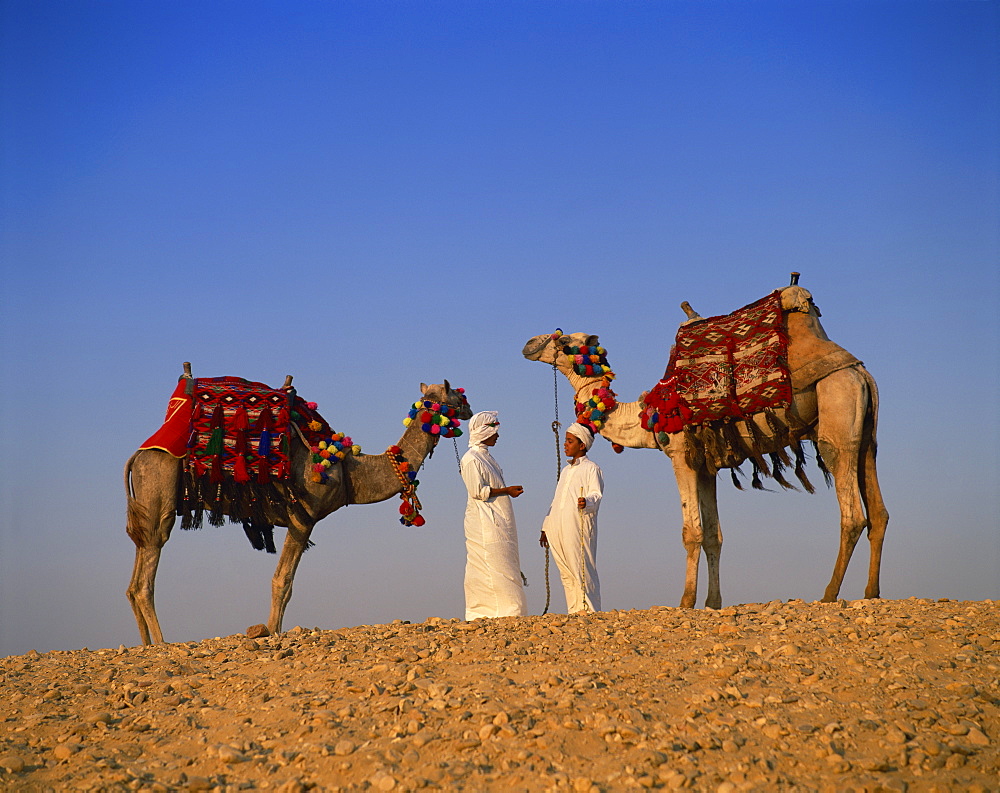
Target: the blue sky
pixel 371 195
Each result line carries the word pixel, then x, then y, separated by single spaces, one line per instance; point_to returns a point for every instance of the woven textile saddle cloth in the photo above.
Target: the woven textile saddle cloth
pixel 735 365
pixel 235 438
pixel 228 427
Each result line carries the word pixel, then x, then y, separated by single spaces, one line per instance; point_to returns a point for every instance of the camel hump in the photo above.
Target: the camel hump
pixel 796 298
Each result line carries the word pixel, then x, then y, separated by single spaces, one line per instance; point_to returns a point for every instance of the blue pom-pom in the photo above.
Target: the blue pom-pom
pixel 411 475
pixel 426 427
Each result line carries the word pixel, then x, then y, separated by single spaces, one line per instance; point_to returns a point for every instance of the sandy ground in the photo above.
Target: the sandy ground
pixel 847 696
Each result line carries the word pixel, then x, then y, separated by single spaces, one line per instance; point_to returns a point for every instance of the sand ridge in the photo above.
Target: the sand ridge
pixel 869 695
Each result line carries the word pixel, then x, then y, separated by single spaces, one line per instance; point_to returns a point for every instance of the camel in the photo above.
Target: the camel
pixel 151 484
pixel 835 405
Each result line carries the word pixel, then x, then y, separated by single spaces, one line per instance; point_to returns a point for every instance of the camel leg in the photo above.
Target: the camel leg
pixel 842 400
pixel 140 593
pixel 151 487
pixel 281 583
pixel 878 519
pixel 692 530
pixel 711 537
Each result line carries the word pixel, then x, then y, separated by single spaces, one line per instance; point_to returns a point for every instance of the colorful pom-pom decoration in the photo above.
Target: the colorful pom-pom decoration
pixel 666 412
pixel 328 451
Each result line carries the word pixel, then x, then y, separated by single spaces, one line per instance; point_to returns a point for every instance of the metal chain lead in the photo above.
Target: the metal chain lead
pixel 555 424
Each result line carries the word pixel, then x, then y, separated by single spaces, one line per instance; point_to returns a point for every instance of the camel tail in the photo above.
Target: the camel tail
pixel 873 407
pixel 136 517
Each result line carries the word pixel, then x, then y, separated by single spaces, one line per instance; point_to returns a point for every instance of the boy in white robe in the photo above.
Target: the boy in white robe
pixel 570 528
pixel 493 586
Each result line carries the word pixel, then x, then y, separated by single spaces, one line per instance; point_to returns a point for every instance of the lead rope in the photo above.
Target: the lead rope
pixel 555 431
pixel 583 559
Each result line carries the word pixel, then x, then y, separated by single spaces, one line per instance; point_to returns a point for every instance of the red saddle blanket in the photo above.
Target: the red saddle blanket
pixel 731 366
pixel 228 427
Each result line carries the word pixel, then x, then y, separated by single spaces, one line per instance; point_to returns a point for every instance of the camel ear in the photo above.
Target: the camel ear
pixel 592 341
pixel 423 388
pixel 447 386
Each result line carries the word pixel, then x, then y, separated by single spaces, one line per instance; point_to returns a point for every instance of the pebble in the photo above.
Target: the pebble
pixel 344 748
pixel 13 763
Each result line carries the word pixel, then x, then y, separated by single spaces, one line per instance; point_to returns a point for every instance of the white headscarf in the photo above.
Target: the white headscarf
pixel 583 433
pixel 479 429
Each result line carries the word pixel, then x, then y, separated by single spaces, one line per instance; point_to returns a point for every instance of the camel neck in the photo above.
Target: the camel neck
pixel 373 477
pixel 621 425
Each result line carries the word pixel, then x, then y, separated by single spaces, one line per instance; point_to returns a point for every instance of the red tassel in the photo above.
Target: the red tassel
pixel 265 421
pixel 216 476
pixel 263 471
pixel 240 473
pixel 240 421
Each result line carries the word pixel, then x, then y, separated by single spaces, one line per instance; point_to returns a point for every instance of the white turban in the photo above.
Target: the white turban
pixel 583 433
pixel 480 428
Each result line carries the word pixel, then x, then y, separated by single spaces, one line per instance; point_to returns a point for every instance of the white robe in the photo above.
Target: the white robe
pixel 493 585
pixel 573 537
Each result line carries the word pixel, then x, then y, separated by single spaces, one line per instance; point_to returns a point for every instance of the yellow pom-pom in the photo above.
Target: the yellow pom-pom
pixel 315 426
pixel 407 421
pixel 322 444
pixel 325 463
pixel 356 450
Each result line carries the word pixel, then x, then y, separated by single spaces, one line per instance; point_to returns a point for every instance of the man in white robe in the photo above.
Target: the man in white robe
pixel 570 528
pixel 493 586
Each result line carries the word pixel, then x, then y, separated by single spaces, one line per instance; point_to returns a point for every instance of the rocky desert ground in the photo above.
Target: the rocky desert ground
pixel 867 695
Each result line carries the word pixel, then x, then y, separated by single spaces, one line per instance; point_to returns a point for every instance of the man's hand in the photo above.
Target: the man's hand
pixel 514 490
pixel 581 503
pixel 543 540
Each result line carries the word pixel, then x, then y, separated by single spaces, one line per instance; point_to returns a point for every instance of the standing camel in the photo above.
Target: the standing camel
pixel 151 484
pixel 835 405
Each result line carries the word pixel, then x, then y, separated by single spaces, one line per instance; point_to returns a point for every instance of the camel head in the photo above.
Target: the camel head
pixel 547 348
pixel 446 395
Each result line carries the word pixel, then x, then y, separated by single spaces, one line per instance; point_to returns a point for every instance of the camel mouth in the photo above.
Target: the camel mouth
pixel 533 349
